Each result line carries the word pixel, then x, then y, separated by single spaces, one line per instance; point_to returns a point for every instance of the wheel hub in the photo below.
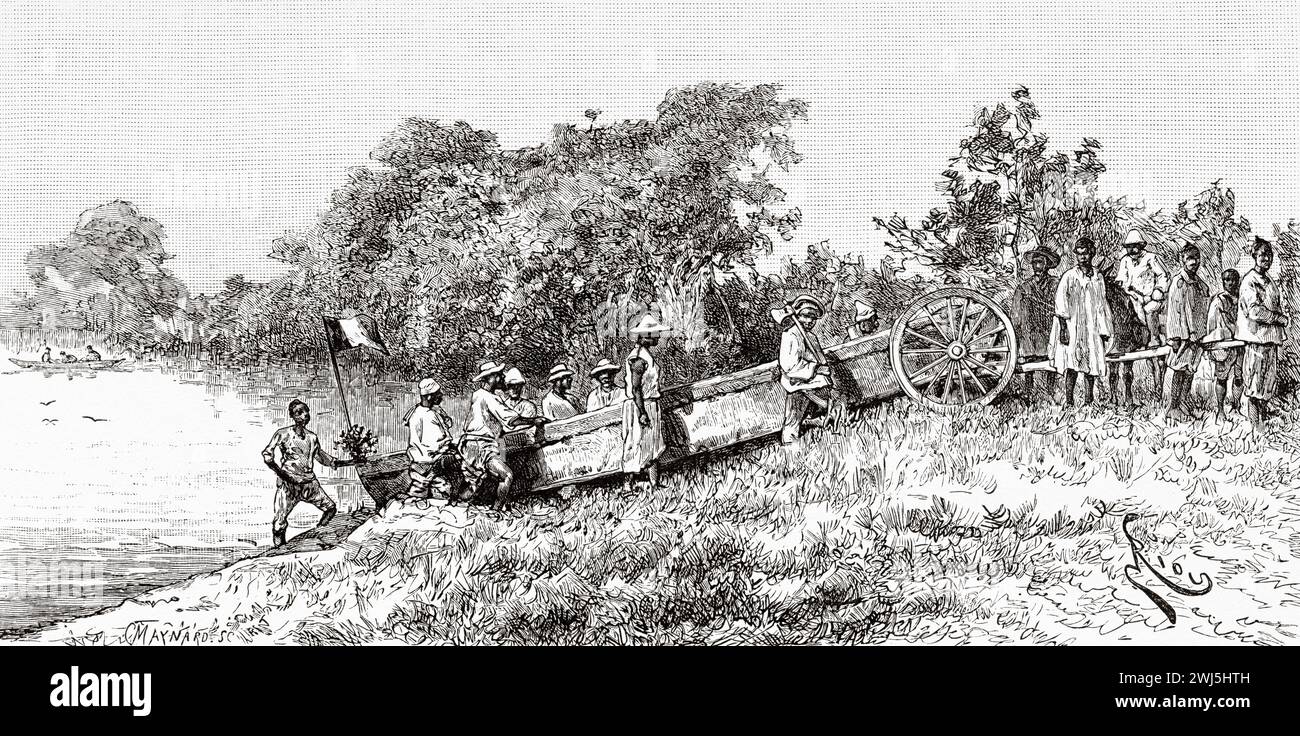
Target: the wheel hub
pixel 957 351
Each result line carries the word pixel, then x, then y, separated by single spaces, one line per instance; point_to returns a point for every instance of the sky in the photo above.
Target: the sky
pixel 231 123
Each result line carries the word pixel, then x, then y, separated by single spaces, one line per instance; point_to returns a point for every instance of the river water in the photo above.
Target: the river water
pixel 169 484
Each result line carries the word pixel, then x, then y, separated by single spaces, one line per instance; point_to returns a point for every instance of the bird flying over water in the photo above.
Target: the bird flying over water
pixel 93 419
pixel 47 403
pixel 50 421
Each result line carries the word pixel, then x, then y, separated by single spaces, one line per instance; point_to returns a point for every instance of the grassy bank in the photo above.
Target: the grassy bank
pixel 997 526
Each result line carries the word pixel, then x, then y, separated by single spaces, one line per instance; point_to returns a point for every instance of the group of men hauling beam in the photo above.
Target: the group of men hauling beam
pixel 1068 321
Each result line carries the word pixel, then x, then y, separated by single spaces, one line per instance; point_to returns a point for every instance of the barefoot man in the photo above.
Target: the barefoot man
pixel 1189 300
pixel 643 436
pixel 1032 304
pixel 433 457
pixel 805 373
pixel 1221 324
pixel 1082 324
pixel 482 444
pixel 1261 325
pixel 295 473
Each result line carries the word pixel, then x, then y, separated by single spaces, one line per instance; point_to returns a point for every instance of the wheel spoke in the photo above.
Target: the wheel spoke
pixel 947 388
pixel 925 351
pixel 916 377
pixel 952 321
pixel 982 366
pixel 916 334
pixel 961 321
pixel 961 381
pixel 937 328
pixel 1002 349
pixel 984 390
pixel 996 330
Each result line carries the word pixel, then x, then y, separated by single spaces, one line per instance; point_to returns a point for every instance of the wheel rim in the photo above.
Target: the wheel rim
pixel 951 348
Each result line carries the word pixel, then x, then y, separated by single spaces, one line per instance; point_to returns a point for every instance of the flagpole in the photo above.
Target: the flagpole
pixel 338 380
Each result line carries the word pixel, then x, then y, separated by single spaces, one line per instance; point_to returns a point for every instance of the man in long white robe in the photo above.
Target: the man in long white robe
pixel 1083 325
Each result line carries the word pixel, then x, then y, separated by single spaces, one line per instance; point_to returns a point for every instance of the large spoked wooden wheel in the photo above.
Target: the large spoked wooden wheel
pixel 953 347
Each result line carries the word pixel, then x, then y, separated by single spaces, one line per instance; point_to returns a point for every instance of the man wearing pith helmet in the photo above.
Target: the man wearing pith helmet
pixel 606 393
pixel 643 438
pixel 805 372
pixel 430 448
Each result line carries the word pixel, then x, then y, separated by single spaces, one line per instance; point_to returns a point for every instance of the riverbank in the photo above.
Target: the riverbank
pixel 998 526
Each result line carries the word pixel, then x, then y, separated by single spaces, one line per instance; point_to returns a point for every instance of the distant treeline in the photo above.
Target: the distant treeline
pixel 462 250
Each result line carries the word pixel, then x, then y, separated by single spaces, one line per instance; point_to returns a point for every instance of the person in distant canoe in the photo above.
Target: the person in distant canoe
pixel 93 354
pixel 643 435
pixel 805 372
pixel 865 321
pixel 1082 327
pixel 557 403
pixel 298 449
pixel 1221 325
pixel 67 357
pixel 606 393
pixel 482 445
pixel 1032 306
pixel 1261 324
pixel 1188 305
pixel 1146 282
pixel 435 467
pixel 45 354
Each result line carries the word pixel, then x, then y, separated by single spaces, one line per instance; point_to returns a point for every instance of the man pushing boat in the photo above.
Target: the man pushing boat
pixel 295 473
pixel 482 445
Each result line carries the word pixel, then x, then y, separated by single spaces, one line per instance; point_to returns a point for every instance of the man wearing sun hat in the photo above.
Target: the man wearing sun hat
pixel 556 403
pixel 431 452
pixel 482 445
pixel 1146 282
pixel 606 393
pixel 643 438
pixel 1033 306
pixel 805 372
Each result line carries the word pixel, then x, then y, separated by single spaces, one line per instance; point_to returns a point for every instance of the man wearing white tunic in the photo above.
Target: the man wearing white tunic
pixel 1262 326
pixel 557 403
pixel 643 437
pixel 606 393
pixel 1082 325
pixel 430 449
pixel 805 373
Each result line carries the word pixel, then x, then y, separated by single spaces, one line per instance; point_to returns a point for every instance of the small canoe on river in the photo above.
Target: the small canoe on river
pixel 83 365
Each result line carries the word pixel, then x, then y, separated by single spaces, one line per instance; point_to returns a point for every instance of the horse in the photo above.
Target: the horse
pixel 1129 333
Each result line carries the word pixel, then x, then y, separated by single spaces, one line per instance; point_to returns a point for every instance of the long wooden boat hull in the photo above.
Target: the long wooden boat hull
pixel 698 418
pixel 79 366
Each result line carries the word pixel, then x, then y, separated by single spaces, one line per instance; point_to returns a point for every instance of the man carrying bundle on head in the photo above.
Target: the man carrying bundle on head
pixel 482 445
pixel 435 466
pixel 1221 325
pixel 1189 300
pixel 1032 305
pixel 805 373
pixel 1261 324
pixel 606 393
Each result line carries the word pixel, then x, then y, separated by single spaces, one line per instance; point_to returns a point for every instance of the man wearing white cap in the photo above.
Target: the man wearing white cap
pixel 430 449
pixel 1145 281
pixel 805 372
pixel 482 445
pixel 865 321
pixel 606 393
pixel 643 437
pixel 557 404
